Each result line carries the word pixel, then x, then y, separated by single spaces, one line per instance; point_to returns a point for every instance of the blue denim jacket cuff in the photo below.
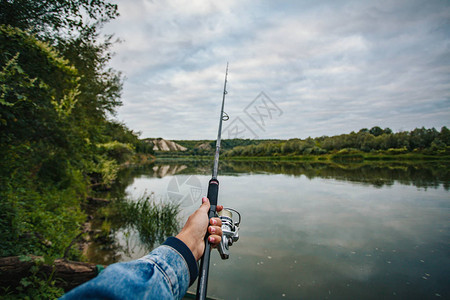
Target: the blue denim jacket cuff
pixel 187 255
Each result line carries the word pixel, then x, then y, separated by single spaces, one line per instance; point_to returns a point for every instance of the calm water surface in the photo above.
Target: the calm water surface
pixel 319 231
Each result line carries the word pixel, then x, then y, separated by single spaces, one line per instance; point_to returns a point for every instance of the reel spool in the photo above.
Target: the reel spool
pixel 230 231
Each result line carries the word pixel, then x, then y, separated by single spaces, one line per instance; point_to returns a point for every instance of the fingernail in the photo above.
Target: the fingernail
pixel 204 199
pixel 213 221
pixel 213 229
pixel 211 239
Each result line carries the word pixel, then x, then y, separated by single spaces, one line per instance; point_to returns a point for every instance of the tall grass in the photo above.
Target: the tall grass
pixel 154 220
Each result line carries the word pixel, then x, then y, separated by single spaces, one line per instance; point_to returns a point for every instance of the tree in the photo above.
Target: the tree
pixel 444 135
pixel 376 131
pixel 100 86
pixel 55 19
pixel 421 138
pixel 38 85
pixel 38 95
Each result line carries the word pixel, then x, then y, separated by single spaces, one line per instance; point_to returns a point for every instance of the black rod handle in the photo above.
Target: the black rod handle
pixel 213 192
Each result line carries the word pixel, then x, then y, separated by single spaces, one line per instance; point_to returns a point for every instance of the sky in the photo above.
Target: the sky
pixel 296 68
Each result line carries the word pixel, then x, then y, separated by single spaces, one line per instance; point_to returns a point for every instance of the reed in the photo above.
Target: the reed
pixel 154 220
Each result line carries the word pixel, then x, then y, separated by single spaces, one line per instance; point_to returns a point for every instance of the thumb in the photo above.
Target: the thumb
pixel 205 205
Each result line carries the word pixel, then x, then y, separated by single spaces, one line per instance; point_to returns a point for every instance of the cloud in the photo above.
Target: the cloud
pixel 331 66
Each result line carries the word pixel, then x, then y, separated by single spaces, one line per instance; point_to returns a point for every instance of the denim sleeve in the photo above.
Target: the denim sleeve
pixel 165 273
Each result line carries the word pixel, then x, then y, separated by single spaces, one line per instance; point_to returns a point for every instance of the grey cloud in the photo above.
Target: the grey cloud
pixel 332 66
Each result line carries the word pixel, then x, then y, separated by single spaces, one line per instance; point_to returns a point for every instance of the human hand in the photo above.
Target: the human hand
pixel 193 232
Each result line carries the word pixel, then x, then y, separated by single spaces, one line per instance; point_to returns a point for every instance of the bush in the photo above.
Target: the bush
pixel 395 151
pixel 120 152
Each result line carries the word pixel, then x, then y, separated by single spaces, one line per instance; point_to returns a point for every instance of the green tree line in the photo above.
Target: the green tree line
pixel 208 147
pixel 374 140
pixel 56 93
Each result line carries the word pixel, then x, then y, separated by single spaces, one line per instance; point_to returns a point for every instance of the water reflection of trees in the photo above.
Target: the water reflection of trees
pixel 422 175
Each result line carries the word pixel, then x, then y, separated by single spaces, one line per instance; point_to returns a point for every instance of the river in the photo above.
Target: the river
pixel 313 230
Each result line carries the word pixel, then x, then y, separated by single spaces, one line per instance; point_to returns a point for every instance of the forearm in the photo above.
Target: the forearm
pixel 165 273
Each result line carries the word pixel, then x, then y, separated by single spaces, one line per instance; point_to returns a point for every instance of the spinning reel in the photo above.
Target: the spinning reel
pixel 230 231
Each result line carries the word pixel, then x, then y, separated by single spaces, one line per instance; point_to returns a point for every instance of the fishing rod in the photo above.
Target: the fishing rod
pixel 230 228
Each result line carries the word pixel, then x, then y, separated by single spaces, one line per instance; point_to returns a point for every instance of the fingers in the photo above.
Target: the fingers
pixel 215 228
pixel 215 222
pixel 215 231
pixel 214 240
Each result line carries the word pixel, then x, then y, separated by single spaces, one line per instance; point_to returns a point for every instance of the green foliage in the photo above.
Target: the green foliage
pixel 376 131
pixel 35 286
pixel 393 151
pixel 375 140
pixel 50 18
pixel 40 185
pixel 208 147
pixel 118 151
pixel 100 87
pixel 55 95
pixel 38 219
pixel 107 168
pixel 38 89
pixel 120 133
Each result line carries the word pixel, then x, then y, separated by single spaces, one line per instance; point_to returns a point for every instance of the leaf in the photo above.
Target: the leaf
pixel 24 258
pixel 34 269
pixel 25 282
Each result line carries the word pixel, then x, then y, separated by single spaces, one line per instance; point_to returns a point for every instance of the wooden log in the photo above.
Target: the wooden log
pixel 69 274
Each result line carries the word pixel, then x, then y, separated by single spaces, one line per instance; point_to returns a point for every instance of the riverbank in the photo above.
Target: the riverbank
pixel 337 157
